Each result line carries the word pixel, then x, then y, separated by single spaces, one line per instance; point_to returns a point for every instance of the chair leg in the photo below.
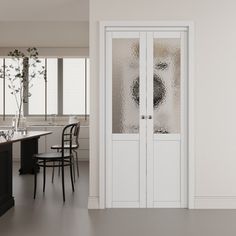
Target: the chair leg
pixel 44 175
pixel 77 163
pixel 63 181
pixel 59 171
pixel 35 178
pixel 53 168
pixel 73 163
pixel 59 168
pixel 71 174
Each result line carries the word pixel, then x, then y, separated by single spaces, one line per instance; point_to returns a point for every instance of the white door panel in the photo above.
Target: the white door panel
pixel 167 171
pixel 126 182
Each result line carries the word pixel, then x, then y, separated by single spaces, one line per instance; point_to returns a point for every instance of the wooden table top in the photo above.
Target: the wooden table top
pixel 29 135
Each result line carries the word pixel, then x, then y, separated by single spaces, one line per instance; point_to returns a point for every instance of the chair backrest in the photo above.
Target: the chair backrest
pixel 76 134
pixel 68 135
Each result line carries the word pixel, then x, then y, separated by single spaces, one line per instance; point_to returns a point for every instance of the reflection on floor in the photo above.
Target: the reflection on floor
pixel 48 216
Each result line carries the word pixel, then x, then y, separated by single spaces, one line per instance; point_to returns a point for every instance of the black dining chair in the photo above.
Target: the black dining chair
pixel 62 158
pixel 75 146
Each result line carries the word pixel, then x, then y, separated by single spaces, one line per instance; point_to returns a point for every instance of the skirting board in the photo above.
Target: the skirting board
pixel 201 202
pixel 93 202
pixel 215 202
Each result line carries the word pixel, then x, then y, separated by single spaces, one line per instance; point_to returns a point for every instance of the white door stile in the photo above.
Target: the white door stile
pixel 150 163
pixel 184 120
pixel 108 119
pixel 143 122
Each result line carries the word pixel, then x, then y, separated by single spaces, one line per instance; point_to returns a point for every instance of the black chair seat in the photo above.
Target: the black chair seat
pixel 52 155
pixel 74 146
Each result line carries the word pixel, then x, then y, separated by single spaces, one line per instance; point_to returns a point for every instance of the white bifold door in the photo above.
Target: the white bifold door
pixel 146 123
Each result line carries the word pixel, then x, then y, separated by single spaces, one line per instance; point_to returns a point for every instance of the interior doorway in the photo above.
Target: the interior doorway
pixel 147 117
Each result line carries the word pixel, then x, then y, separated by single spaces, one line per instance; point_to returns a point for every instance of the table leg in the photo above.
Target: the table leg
pixel 6 198
pixel 28 148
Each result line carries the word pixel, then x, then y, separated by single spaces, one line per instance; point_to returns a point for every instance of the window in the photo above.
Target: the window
pixel 52 86
pixel 73 86
pixel 44 93
pixel 37 89
pixel 65 91
pixel 10 99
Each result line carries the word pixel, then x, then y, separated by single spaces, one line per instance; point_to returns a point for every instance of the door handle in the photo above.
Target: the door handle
pixel 142 117
pixel 149 117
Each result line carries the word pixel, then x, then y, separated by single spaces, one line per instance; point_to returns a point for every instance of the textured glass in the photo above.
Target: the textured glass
pixel 166 85
pixel 125 86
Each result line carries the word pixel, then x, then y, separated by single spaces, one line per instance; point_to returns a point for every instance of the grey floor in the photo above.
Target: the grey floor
pixel 48 216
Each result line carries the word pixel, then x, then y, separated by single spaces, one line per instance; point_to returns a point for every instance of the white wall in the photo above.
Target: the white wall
pixel 44 10
pixel 57 27
pixel 70 34
pixel 215 88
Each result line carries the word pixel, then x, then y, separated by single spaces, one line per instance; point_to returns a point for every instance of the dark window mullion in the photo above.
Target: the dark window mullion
pixel 60 86
pixel 85 100
pixel 46 88
pixel 4 89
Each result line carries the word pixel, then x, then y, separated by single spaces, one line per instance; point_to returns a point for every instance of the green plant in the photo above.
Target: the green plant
pixel 23 69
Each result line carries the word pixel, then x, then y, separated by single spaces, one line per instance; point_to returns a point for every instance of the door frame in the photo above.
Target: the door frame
pixel 170 25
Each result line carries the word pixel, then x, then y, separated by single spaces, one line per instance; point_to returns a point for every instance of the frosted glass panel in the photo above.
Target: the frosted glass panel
pixel 125 85
pixel 166 85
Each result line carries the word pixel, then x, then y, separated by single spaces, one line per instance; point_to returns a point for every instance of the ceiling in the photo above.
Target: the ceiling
pixel 44 10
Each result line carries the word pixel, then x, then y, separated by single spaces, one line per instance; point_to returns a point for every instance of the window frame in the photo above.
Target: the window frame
pixel 59 92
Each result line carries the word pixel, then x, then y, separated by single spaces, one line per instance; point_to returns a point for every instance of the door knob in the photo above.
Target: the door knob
pixel 142 117
pixel 149 117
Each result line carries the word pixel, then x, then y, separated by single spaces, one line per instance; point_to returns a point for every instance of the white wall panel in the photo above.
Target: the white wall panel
pixel 41 141
pixel 166 171
pixel 125 169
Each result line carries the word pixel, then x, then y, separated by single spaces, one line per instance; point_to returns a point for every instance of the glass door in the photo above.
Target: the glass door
pixel 126 119
pixel 146 123
pixel 166 123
